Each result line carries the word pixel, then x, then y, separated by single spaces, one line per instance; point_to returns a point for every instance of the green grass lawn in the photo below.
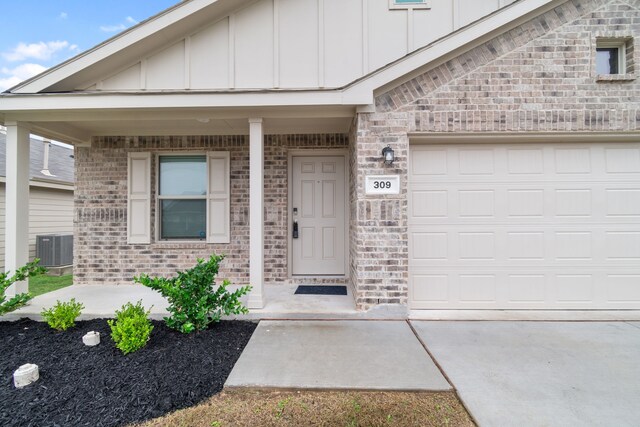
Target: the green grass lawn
pixel 42 284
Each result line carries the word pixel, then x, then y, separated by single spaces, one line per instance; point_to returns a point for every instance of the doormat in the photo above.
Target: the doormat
pixel 321 290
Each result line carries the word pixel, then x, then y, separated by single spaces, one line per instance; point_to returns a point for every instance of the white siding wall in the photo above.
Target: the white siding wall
pixel 50 211
pixel 296 44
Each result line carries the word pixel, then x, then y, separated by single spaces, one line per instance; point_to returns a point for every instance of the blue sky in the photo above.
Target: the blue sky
pixel 37 34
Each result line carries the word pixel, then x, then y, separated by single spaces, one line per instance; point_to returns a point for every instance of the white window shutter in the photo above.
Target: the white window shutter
pixel 139 198
pixel 218 197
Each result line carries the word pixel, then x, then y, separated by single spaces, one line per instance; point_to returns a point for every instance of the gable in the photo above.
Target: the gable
pixel 539 76
pixel 265 44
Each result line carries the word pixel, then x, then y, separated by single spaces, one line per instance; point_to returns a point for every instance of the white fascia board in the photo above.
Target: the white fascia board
pixel 112 46
pixel 45 184
pixel 475 32
pixel 105 101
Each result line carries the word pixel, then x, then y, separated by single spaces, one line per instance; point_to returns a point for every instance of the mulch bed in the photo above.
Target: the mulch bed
pixel 98 386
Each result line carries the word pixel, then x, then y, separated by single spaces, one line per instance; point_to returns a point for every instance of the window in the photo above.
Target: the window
pixel 193 197
pixel 409 4
pixel 182 197
pixel 608 60
pixel 614 57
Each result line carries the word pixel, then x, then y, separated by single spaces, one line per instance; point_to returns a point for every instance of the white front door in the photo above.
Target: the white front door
pixel 318 192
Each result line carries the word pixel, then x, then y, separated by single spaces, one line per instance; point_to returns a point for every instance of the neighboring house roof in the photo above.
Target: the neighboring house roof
pixel 61 161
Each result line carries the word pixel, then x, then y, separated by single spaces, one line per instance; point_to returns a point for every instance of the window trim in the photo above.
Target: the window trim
pixel 158 198
pixel 418 4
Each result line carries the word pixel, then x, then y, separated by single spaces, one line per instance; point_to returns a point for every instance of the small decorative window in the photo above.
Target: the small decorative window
pixel 614 58
pixel 182 197
pixel 409 4
pixel 610 58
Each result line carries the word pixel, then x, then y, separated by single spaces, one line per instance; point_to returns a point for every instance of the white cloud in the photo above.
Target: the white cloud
pixel 8 83
pixel 24 71
pixel 41 50
pixel 113 28
pixel 18 74
pixel 63 15
pixel 128 21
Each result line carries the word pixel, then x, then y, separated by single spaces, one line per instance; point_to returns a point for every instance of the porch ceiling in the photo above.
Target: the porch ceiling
pixel 77 127
pixel 203 126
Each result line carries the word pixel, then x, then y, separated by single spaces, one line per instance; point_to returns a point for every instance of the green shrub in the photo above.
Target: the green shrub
pixel 29 270
pixel 193 302
pixel 63 315
pixel 131 329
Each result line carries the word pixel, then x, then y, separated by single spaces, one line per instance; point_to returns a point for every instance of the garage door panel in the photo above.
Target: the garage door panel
pixel 605 246
pixel 591 202
pixel 538 226
pixel 551 163
pixel 567 288
pixel 476 161
pixel 527 288
pixel 622 160
pixel 622 245
pixel 623 288
pixel 526 245
pixel 622 202
pixel 430 203
pixel 522 161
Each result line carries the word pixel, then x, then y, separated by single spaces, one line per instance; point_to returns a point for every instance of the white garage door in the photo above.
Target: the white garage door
pixel 509 226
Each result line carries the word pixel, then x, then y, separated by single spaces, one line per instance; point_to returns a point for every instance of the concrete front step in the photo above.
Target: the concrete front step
pixel 346 354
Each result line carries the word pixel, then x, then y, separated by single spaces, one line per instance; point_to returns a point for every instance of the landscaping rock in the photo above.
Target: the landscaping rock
pixel 91 339
pixel 25 375
pixel 99 386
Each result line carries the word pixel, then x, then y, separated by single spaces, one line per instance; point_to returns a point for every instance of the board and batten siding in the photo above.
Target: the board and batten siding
pixel 294 44
pixel 50 211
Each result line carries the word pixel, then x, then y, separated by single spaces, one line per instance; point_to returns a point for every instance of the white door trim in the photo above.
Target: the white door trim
pixel 312 152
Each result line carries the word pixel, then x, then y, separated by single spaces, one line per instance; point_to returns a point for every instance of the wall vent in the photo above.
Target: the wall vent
pixel 54 250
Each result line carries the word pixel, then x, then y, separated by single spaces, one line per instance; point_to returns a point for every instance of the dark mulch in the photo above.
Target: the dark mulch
pixel 98 386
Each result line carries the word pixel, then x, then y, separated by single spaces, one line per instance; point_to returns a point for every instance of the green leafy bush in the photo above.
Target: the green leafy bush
pixel 193 302
pixel 29 270
pixel 63 315
pixel 131 329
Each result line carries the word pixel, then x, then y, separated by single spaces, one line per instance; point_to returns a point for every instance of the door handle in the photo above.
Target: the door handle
pixel 295 228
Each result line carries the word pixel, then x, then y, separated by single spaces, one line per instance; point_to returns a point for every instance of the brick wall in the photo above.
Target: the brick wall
pixel 538 77
pixel 102 254
pixel 379 245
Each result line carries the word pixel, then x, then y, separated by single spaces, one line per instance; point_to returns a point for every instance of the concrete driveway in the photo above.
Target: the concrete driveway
pixel 541 373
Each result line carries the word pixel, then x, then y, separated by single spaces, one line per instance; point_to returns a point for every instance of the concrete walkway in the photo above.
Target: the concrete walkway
pixel 541 373
pixel 374 355
pixel 101 301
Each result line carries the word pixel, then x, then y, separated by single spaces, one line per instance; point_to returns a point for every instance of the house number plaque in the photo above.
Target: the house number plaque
pixel 382 184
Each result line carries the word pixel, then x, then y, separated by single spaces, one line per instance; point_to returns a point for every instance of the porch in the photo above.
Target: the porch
pixel 114 242
pixel 281 302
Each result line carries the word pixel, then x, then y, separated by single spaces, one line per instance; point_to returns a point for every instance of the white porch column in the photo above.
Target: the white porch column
pixel 17 203
pixel 256 213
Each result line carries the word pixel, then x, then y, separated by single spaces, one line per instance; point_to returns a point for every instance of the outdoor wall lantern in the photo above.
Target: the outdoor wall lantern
pixel 388 155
